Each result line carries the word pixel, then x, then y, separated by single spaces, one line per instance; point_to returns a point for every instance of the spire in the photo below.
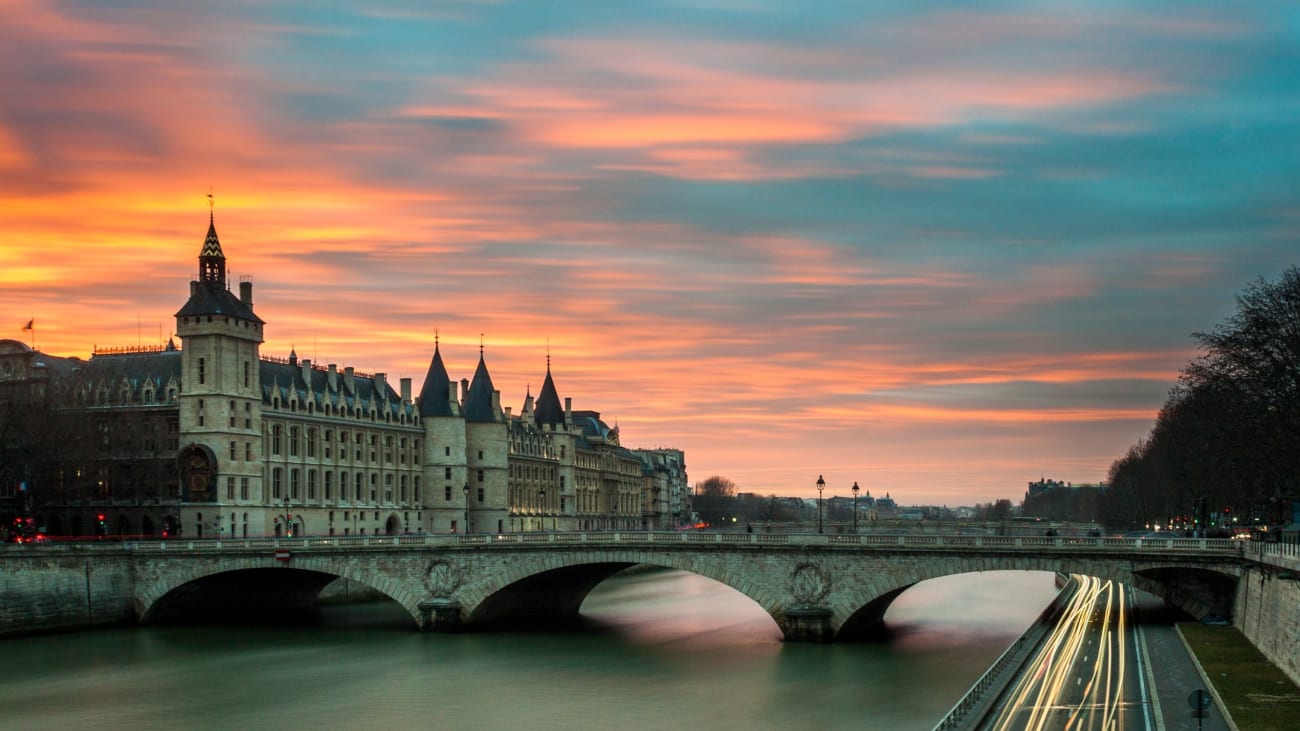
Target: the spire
pixel 548 409
pixel 435 395
pixel 212 263
pixel 478 402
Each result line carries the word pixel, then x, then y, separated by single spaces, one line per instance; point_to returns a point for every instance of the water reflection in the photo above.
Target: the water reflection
pixel 661 650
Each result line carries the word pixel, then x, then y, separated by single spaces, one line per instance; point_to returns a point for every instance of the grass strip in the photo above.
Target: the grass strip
pixel 1259 696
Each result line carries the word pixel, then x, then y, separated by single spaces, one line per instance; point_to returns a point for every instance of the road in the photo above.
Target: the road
pixel 1102 668
pixel 1080 678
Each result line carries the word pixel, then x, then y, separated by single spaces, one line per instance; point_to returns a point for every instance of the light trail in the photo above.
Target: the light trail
pixel 1076 679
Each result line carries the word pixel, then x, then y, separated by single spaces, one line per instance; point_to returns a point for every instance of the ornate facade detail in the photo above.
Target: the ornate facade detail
pixel 442 579
pixel 809 584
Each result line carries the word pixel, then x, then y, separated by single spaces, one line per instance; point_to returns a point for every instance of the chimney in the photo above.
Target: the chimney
pixel 333 377
pixel 348 383
pixel 194 287
pixel 306 372
pixel 496 403
pixel 381 386
pixel 406 390
pixel 246 292
pixel 568 410
pixel 464 388
pixel 453 397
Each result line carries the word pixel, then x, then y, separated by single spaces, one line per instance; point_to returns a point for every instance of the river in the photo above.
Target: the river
pixel 661 650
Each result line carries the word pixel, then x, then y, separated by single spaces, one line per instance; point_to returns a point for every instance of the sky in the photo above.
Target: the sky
pixel 940 249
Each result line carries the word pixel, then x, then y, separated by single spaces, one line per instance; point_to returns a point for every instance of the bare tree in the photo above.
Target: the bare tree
pixel 715 499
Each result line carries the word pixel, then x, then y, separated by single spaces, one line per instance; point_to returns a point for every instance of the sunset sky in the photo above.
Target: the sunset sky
pixel 940 249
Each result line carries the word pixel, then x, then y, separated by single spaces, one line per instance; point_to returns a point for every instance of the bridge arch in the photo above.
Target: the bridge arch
pixel 261 586
pixel 1194 589
pixel 549 589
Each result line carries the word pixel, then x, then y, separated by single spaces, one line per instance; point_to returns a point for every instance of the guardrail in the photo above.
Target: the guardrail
pixel 977 699
pixel 918 542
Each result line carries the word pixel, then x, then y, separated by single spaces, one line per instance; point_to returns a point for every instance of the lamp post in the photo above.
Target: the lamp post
pixel 821 485
pixel 855 506
pixel 288 519
pixel 541 498
pixel 467 530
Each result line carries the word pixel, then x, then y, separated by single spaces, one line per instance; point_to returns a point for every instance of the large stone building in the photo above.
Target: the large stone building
pixel 213 438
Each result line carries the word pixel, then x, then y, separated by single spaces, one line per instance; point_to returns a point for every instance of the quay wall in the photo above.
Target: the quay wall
pixel 1267 606
pixel 69 588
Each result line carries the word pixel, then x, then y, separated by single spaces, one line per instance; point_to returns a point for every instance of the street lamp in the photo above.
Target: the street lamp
pixel 821 485
pixel 855 506
pixel 467 531
pixel 541 497
pixel 288 519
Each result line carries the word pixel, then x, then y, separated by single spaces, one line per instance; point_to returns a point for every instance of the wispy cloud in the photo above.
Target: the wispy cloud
pixel 940 251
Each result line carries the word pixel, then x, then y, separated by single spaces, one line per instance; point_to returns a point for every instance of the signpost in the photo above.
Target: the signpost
pixel 1200 702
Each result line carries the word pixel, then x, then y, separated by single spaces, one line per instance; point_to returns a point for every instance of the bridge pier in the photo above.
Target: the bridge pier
pixel 807 624
pixel 440 615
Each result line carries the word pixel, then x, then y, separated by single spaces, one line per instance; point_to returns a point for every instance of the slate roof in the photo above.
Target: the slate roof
pixel 212 298
pixel 209 295
pixel 435 395
pixel 478 402
pixel 547 409
pixel 285 380
pixel 154 369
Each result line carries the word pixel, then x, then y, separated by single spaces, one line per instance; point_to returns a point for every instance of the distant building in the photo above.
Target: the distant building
pixel 1061 501
pixel 885 508
pixel 216 439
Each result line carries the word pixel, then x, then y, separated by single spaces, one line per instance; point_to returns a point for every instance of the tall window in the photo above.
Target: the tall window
pixel 293 441
pixel 203 370
pixel 243 488
pixel 275 441
pixel 293 483
pixel 277 478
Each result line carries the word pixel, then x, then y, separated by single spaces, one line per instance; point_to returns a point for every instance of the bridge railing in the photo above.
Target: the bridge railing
pixel 922 542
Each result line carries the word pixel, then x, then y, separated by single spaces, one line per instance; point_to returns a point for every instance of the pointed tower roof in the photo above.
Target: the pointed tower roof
pixel 478 402
pixel 212 262
pixel 435 395
pixel 208 294
pixel 548 406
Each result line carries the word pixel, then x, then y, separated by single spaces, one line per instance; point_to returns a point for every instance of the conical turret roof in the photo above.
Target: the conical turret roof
pixel 435 395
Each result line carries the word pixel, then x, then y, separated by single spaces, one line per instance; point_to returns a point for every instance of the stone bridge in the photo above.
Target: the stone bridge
pixel 816 587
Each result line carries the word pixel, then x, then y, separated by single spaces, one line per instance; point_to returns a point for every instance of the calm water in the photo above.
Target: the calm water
pixel 664 650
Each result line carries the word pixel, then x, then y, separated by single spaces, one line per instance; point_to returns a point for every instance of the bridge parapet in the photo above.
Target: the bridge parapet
pixel 1212 546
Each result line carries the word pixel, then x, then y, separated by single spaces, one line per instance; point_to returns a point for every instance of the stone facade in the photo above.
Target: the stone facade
pixel 211 438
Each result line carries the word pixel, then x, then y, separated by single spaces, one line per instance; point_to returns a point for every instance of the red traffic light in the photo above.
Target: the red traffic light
pixel 100 517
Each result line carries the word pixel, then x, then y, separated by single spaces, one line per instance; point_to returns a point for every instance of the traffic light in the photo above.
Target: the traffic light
pixel 100 529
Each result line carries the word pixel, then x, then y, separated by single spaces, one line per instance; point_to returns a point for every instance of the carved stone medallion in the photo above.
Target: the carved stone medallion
pixel 809 584
pixel 443 578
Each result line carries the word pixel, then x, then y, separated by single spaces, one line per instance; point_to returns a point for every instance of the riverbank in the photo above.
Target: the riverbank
pixel 1250 689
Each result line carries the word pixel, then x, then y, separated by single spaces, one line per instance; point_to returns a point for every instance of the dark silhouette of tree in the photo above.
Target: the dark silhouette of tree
pixel 1228 436
pixel 715 499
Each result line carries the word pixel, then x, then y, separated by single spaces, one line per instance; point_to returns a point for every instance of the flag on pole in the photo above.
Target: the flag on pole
pixel 29 324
